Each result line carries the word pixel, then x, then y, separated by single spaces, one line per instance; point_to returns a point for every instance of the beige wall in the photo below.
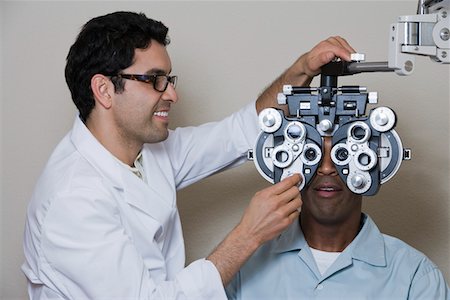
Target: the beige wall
pixel 224 54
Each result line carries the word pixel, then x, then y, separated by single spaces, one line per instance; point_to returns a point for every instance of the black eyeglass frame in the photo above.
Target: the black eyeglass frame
pixel 151 79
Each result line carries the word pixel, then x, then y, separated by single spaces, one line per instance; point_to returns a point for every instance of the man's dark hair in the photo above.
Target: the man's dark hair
pixel 106 45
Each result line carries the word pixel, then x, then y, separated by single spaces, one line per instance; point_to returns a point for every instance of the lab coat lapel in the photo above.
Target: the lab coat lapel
pixel 155 206
pixel 150 199
pixel 153 202
pixel 156 197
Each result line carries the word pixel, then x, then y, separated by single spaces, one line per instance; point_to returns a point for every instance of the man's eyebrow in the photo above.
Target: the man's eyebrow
pixel 157 71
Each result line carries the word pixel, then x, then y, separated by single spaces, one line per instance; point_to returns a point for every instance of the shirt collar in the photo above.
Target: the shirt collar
pixel 137 168
pixel 291 239
pixel 368 245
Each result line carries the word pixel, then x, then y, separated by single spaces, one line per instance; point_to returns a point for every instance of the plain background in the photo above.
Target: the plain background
pixel 225 53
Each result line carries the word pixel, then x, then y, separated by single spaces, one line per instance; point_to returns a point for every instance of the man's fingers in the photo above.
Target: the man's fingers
pixel 341 42
pixel 336 47
pixel 289 194
pixel 286 184
pixel 292 206
pixel 294 215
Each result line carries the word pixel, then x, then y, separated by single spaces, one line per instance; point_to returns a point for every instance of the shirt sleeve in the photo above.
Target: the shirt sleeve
pixel 208 285
pixel 197 152
pixel 429 283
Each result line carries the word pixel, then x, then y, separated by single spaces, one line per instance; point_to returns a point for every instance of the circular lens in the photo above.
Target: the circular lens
pixel 294 131
pixel 364 159
pixel 310 154
pixel 282 156
pixel 342 154
pixel 358 133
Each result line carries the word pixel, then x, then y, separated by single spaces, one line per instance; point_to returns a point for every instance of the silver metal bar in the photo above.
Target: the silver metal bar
pixel 420 8
pixel 359 67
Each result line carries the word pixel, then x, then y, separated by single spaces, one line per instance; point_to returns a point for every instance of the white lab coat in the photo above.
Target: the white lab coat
pixel 95 230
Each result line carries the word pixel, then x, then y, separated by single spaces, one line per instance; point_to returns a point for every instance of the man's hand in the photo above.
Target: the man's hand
pixel 304 69
pixel 270 211
pixel 324 52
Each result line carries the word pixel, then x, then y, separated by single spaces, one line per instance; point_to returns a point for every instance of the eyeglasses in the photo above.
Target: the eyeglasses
pixel 160 82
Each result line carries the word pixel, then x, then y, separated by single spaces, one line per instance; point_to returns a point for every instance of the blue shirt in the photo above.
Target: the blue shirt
pixel 373 266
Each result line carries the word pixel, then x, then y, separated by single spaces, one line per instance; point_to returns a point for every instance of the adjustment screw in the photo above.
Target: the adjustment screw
pixel 269 120
pixel 325 125
pixel 381 119
pixel 445 34
pixel 358 181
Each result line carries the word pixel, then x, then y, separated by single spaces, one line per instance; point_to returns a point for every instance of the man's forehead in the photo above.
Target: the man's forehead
pixel 153 59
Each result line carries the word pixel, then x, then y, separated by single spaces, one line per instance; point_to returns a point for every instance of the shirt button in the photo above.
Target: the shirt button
pixel 320 287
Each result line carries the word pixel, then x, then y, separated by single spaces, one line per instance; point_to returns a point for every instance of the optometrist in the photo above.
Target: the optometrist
pixel 103 221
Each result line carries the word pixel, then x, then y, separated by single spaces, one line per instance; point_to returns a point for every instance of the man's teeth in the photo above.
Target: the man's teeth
pixel 161 113
pixel 328 189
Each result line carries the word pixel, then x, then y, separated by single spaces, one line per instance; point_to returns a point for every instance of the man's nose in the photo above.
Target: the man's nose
pixel 170 94
pixel 327 166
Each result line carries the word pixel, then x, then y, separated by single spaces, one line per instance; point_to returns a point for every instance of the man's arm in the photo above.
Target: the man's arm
pixel 304 69
pixel 270 212
pixel 273 209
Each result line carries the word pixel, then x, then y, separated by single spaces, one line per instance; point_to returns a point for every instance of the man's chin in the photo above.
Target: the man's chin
pixel 157 138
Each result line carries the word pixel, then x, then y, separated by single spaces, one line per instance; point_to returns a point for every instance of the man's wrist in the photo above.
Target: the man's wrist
pixel 298 74
pixel 233 252
pixel 249 242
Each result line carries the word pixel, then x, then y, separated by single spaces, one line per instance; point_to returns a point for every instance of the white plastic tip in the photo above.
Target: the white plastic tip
pixel 357 57
pixel 287 89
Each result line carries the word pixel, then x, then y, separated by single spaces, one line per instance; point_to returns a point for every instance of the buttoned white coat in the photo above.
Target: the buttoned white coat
pixel 95 230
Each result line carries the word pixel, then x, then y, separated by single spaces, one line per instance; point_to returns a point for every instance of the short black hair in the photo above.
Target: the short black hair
pixel 106 45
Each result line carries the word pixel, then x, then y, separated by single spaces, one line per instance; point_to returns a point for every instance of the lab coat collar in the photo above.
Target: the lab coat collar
pixel 137 192
pixel 148 199
pixel 97 155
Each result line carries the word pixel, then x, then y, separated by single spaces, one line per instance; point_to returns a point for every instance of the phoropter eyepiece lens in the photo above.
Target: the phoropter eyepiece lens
pixel 358 133
pixel 310 154
pixel 294 131
pixel 364 159
pixel 281 156
pixel 342 154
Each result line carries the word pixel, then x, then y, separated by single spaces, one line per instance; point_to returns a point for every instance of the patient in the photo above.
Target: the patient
pixel 335 251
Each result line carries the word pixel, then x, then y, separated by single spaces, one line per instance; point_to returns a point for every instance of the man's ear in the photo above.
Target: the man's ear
pixel 102 88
